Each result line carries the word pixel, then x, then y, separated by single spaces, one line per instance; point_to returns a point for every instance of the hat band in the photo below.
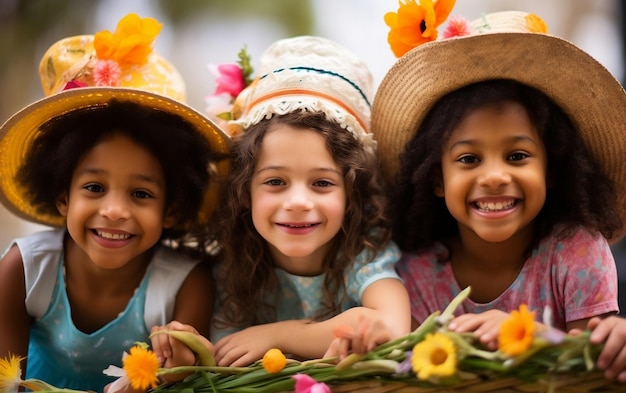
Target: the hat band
pixel 326 72
pixel 311 93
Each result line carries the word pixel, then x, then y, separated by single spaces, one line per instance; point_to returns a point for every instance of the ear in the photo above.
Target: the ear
pixel 170 218
pixel 62 204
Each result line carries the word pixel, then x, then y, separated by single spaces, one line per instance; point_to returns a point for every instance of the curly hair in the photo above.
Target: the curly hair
pixel 247 272
pixel 580 193
pixel 185 157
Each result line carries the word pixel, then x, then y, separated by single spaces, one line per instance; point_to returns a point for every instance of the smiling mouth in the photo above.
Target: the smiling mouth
pixel 298 226
pixel 113 236
pixel 494 206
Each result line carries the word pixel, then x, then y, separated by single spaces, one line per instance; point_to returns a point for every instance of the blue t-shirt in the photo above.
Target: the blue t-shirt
pixel 300 296
pixel 66 357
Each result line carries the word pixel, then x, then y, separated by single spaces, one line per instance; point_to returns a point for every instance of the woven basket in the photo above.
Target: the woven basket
pixel 591 383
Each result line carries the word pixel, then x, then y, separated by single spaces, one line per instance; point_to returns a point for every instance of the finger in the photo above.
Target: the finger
pixel 160 344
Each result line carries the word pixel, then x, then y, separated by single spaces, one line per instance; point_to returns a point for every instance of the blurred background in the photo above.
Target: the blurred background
pixel 200 32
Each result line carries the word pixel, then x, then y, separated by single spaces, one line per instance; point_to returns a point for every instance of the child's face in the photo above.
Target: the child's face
pixel 298 198
pixel 494 172
pixel 116 202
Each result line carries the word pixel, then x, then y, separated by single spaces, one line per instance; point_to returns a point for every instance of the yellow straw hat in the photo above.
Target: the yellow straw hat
pixel 88 71
pixel 505 45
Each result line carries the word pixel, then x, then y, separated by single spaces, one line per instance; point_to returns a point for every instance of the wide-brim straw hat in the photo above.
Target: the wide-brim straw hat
pixel 70 83
pixel 310 73
pixel 502 46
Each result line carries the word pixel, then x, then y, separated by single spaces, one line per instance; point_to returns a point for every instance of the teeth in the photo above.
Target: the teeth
pixel 114 236
pixel 495 206
pixel 299 226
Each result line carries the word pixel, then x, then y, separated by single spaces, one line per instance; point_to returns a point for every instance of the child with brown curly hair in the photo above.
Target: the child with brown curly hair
pixel 305 238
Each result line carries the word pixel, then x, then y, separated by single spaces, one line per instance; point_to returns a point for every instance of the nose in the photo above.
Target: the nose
pixel 494 174
pixel 114 207
pixel 298 199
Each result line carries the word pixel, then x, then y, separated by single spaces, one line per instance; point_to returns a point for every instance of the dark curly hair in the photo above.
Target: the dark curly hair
pixel 247 268
pixel 580 193
pixel 185 157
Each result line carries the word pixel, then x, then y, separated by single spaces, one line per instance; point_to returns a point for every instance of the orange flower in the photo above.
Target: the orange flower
pixel 131 43
pixel 141 367
pixel 535 24
pixel 517 332
pixel 274 361
pixel 415 24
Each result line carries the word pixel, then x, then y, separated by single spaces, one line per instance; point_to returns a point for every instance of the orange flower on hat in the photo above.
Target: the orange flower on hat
pixel 517 332
pixel 131 43
pixel 535 24
pixel 415 24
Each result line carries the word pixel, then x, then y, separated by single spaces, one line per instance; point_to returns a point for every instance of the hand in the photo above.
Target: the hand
pixel 485 326
pixel 368 334
pixel 246 346
pixel 170 351
pixel 612 332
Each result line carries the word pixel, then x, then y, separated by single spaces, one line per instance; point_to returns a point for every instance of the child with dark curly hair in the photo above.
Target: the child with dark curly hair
pixel 304 234
pixel 127 175
pixel 508 177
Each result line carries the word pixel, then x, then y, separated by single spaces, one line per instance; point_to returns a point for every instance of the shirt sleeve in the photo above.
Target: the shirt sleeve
pixel 590 278
pixel 363 273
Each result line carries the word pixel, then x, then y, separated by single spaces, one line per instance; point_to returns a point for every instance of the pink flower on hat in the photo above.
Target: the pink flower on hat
pixel 229 79
pixel 106 73
pixel 458 26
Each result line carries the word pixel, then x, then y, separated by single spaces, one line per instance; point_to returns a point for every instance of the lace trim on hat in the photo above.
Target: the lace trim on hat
pixel 284 106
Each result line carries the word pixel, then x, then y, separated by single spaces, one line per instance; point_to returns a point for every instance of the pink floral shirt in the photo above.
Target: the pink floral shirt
pixel 576 277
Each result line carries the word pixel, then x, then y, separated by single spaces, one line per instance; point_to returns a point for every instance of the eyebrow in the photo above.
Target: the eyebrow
pixel 513 139
pixel 138 176
pixel 278 168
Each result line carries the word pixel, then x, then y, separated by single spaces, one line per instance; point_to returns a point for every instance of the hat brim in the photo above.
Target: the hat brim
pixel 593 99
pixel 17 135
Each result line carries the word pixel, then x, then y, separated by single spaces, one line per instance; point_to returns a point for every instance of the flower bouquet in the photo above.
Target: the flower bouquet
pixel 430 359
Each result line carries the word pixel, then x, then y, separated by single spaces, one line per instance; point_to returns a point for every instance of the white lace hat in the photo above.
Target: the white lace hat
pixel 313 74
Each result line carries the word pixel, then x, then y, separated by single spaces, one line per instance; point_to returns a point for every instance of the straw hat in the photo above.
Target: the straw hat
pixel 314 74
pixel 88 71
pixel 504 45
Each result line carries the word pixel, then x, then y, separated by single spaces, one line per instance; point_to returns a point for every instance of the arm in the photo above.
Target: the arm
pixel 193 312
pixel 384 300
pixel 15 322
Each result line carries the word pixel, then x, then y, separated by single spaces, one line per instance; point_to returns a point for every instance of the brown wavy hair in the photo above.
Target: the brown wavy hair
pixel 580 193
pixel 246 274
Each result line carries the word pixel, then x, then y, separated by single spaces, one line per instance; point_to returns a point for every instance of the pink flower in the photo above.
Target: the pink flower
pixel 457 26
pixel 306 384
pixel 229 79
pixel 73 85
pixel 106 73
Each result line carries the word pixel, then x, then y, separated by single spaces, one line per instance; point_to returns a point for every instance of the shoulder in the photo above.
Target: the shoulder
pixel 11 266
pixel 576 244
pixel 428 259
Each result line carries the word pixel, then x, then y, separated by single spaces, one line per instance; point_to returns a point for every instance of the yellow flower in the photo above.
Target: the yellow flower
pixel 535 24
pixel 434 357
pixel 10 373
pixel 415 24
pixel 274 361
pixel 141 367
pixel 131 43
pixel 517 332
